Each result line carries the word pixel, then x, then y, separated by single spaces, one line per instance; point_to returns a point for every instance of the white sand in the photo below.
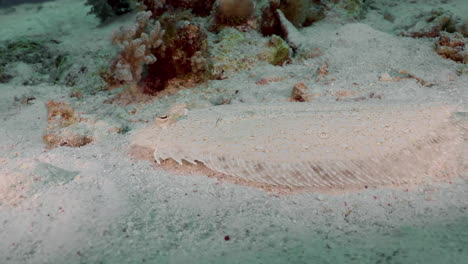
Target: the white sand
pixel 95 204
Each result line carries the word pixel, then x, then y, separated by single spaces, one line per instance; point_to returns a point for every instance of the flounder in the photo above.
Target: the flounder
pixel 315 144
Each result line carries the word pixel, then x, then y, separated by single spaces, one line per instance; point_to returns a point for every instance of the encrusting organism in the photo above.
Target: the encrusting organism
pixel 61 117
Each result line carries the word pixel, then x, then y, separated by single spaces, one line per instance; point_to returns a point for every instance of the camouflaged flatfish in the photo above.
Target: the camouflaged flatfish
pixel 317 145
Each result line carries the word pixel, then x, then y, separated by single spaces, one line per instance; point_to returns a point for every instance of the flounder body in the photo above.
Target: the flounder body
pixel 318 145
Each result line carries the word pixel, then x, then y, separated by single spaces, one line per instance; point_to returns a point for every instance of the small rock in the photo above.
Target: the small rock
pixel 385 77
pixel 323 70
pixel 300 93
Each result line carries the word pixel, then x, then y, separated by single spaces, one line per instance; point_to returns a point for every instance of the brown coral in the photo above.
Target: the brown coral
pixel 198 7
pixel 136 48
pixel 184 55
pixel 159 7
pixel 233 12
pixel 156 7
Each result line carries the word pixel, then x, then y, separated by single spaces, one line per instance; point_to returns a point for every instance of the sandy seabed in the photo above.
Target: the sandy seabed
pixel 105 202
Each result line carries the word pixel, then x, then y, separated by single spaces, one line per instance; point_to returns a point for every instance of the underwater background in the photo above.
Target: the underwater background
pixel 83 83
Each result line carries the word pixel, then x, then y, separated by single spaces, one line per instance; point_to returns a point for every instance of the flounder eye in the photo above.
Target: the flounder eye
pixel 162 117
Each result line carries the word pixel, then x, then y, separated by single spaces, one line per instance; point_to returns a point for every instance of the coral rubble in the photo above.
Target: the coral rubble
pixel 452 46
